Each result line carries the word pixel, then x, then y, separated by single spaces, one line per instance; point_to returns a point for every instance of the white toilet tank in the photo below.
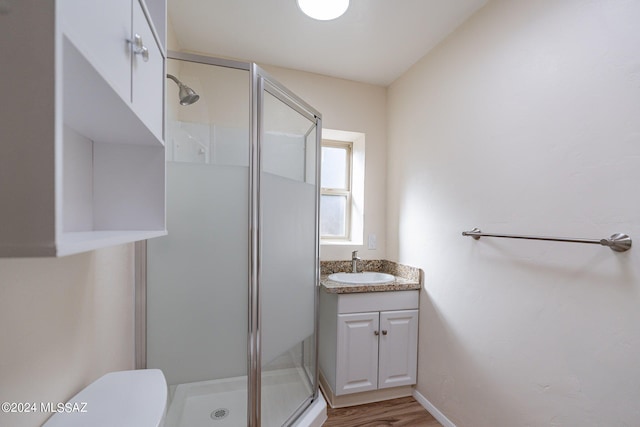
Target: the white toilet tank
pixel 118 399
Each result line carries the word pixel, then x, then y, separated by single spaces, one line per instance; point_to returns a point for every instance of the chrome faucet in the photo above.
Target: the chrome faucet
pixel 354 261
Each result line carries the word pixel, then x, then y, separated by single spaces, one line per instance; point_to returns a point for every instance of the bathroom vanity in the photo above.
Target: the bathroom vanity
pixel 368 340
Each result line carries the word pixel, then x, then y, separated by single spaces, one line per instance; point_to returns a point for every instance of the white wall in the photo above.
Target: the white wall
pixel 65 322
pixel 525 120
pixel 357 107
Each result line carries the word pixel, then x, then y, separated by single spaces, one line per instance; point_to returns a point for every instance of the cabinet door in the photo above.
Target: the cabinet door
pixel 357 353
pixel 101 30
pixel 147 86
pixel 398 348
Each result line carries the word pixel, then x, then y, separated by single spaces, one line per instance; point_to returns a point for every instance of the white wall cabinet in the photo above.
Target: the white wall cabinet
pixel 147 95
pixel 82 164
pixel 104 34
pixel 368 341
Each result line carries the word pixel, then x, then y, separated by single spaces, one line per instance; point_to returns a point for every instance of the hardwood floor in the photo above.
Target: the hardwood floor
pixel 405 412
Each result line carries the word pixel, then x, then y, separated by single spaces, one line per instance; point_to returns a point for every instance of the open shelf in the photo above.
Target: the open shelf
pixel 82 241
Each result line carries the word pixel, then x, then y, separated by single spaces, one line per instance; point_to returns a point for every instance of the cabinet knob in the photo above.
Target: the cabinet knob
pixel 376 333
pixel 384 332
pixel 139 48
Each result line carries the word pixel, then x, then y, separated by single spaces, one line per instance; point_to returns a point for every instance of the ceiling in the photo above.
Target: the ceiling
pixel 375 41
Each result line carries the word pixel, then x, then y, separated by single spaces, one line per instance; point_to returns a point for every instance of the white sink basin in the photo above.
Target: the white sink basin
pixel 366 277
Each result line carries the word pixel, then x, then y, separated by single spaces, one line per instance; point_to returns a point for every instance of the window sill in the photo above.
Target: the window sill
pixel 341 242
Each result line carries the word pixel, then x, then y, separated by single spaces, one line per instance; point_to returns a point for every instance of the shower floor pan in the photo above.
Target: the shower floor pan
pixel 223 403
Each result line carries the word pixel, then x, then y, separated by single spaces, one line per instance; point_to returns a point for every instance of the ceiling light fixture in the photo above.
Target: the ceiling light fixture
pixel 323 10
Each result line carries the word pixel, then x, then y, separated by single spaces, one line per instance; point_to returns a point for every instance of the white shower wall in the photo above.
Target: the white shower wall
pixel 207 143
pixel 282 154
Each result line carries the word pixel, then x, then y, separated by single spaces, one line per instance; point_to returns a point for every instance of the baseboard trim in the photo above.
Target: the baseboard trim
pixel 446 422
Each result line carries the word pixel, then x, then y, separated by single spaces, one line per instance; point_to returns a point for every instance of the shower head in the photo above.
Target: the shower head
pixel 187 95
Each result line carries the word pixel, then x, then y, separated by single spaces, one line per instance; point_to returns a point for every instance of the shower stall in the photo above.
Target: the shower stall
pixel 228 299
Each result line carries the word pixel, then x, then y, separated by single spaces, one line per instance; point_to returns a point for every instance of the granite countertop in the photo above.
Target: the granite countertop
pixel 405 278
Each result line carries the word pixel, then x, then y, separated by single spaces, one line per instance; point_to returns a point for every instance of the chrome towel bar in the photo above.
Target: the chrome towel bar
pixel 618 242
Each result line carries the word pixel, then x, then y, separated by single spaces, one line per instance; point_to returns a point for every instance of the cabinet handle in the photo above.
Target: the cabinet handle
pixel 376 333
pixel 384 332
pixel 139 48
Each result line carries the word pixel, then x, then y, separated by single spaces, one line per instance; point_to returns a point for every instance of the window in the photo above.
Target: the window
pixel 335 195
pixel 342 188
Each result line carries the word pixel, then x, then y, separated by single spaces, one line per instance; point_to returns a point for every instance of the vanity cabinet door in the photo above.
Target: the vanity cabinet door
pixel 398 348
pixel 357 353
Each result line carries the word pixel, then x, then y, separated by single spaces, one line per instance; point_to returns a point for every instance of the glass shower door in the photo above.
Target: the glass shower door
pixel 288 251
pixel 197 280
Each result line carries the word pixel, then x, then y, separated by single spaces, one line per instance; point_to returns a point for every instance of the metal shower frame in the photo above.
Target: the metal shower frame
pixel 260 81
